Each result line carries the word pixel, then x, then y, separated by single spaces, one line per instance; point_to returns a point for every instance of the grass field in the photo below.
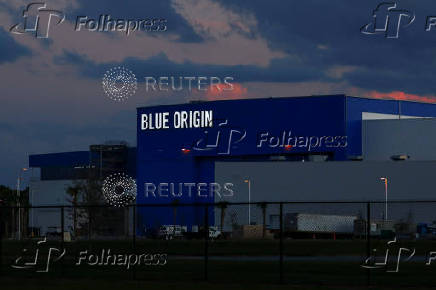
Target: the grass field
pixel 66 284
pixel 73 284
pixel 185 271
pixel 231 247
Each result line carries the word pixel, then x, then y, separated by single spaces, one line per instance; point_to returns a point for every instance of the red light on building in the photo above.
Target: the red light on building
pixel 185 151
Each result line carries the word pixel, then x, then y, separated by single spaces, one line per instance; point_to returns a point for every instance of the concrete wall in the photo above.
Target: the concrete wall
pixel 414 137
pixel 330 181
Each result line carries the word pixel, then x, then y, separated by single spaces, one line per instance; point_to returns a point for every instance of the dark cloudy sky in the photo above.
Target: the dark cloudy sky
pixel 51 94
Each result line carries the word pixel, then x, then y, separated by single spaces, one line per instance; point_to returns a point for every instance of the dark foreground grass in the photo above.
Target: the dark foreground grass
pixel 186 273
pixel 252 273
pixel 228 247
pixel 92 284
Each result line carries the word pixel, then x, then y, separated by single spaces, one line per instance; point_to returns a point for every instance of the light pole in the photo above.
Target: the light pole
pixel 19 203
pixel 31 192
pixel 385 179
pixel 249 200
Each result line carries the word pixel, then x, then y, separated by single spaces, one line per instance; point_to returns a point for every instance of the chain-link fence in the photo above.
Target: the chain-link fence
pixel 333 243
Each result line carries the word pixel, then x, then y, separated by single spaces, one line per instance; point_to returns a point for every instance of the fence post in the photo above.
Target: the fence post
pixel 368 240
pixel 63 224
pixel 62 236
pixel 134 237
pixel 206 241
pixel 1 248
pixel 281 244
pixel 89 223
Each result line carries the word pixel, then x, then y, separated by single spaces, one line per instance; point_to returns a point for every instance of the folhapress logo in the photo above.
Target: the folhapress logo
pixel 222 141
pixel 37 19
pixel 39 263
pixel 388 20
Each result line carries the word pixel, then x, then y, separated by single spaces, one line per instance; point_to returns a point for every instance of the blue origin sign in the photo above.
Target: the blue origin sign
pixel 179 120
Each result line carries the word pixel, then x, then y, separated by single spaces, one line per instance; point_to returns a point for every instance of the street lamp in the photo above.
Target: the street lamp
pixel 249 200
pixel 385 179
pixel 19 198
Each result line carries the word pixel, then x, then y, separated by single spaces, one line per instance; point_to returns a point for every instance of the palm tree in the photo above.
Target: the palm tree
pixel 263 206
pixel 85 192
pixel 175 203
pixel 223 206
pixel 74 191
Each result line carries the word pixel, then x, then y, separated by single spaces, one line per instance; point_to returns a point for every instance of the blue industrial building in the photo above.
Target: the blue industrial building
pixel 327 128
pixel 183 150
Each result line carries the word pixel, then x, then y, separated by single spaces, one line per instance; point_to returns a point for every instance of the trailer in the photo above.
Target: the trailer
pixel 318 224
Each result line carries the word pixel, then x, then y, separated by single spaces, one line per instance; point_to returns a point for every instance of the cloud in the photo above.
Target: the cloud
pixel 402 96
pixel 279 70
pixel 180 42
pixel 212 21
pixel 416 79
pixel 180 30
pixel 217 46
pixel 326 34
pixel 10 50
pixel 222 92
pixel 51 90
